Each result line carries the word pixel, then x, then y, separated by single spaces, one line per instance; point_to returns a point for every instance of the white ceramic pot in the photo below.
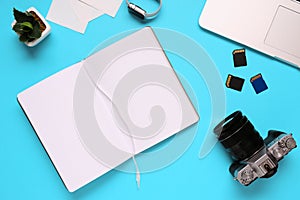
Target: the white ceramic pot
pixel 45 33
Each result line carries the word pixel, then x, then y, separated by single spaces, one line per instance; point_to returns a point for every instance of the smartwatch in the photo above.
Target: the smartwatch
pixel 140 12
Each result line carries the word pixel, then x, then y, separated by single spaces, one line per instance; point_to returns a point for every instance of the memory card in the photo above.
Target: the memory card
pixel 239 57
pixel 258 83
pixel 234 82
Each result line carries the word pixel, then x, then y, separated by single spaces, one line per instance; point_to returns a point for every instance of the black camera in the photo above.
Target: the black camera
pixel 253 156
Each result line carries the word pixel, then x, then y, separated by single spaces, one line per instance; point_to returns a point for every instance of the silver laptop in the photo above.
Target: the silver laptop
pixel 269 26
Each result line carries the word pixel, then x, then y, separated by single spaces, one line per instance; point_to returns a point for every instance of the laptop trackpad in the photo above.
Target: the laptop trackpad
pixel 284 33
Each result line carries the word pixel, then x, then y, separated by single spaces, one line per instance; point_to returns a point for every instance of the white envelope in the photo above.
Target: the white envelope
pixel 85 11
pixel 72 14
pixel 109 7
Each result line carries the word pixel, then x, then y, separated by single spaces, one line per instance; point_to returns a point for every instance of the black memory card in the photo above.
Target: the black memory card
pixel 234 82
pixel 239 57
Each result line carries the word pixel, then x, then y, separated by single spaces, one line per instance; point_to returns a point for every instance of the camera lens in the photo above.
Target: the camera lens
pixel 238 136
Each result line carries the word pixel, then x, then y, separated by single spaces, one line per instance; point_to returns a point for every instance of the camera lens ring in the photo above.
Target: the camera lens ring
pixel 225 123
pixel 229 123
pixel 238 136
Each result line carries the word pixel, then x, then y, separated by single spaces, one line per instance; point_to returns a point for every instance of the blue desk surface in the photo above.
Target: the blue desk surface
pixel 27 173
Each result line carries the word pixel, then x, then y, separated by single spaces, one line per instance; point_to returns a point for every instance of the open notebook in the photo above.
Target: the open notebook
pixel 98 113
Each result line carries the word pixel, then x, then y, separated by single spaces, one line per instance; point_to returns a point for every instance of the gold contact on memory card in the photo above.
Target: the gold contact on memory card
pixel 255 77
pixel 228 81
pixel 238 51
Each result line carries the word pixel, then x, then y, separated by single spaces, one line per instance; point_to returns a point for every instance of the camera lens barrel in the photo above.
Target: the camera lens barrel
pixel 238 136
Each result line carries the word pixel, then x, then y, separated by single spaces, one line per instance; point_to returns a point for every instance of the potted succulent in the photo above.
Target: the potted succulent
pixel 31 26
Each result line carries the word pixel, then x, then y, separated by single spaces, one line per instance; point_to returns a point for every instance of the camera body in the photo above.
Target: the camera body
pixel 264 163
pixel 253 157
